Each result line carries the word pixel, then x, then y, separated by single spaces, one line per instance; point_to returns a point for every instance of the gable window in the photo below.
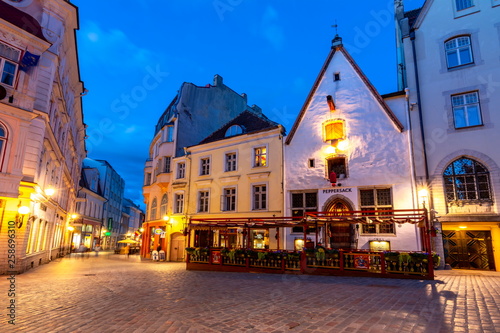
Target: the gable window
pixel 376 199
pixel 465 180
pixel 229 199
pixel 233 130
pixel 260 157
pixel 169 134
pixel 179 203
pixel 163 205
pixel 181 170
pixel 205 166
pixel 203 201
pixel 334 130
pixel 338 165
pixel 9 59
pixel 458 51
pixel 302 203
pixel 466 110
pixel 463 4
pixel 3 143
pixel 231 162
pixel 152 215
pixel 336 76
pixel 259 197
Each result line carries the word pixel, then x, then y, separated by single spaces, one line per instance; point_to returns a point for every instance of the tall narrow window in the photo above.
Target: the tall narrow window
pixel 259 197
pixel 166 164
pixel 229 199
pixel 181 170
pixel 231 162
pixel 9 59
pixel 203 201
pixel 458 51
pixel 163 206
pixel 152 215
pixel 467 180
pixel 463 4
pixel 466 110
pixel 376 199
pixel 179 203
pixel 3 144
pixel 205 166
pixel 260 156
pixel 170 134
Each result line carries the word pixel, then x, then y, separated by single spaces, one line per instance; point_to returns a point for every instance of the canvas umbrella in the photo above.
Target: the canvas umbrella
pixel 128 241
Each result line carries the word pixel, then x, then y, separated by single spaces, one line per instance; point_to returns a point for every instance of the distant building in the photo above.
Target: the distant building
pixel 349 151
pixel 194 114
pixel 41 130
pixel 134 219
pixel 87 222
pixel 449 56
pixel 113 187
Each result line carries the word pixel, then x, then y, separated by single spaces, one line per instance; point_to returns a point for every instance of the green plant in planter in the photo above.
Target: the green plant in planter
pixel 293 256
pixel 190 250
pixel 418 257
pixel 224 251
pixel 239 252
pixel 261 255
pixel 320 254
pixel 333 253
pixel 231 254
pixel 251 253
pixel 404 258
pixel 391 256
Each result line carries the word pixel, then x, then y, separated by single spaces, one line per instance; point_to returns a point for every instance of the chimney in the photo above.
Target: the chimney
pixel 245 97
pixel 217 80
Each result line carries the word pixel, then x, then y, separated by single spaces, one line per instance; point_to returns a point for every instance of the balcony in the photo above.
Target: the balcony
pixel 163 179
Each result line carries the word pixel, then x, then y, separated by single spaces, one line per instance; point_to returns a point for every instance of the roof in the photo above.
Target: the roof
pixel 357 69
pixel 412 15
pixel 21 19
pixel 248 121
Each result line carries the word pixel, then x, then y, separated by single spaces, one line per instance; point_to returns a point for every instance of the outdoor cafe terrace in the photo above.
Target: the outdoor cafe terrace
pixel 316 260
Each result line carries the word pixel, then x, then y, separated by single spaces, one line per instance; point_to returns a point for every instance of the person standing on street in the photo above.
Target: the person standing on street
pixel 97 248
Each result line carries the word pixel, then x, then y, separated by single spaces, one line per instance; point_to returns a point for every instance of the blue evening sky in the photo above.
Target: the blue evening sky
pixel 134 56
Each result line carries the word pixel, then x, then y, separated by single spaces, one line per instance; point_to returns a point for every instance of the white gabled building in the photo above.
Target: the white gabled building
pixel 345 126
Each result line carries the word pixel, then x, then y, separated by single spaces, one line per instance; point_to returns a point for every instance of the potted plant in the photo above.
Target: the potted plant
pixel 190 250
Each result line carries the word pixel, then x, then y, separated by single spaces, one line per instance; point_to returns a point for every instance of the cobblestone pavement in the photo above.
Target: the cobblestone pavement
pixel 113 293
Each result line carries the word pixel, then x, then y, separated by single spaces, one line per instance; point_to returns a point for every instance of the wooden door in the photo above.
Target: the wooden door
pixel 469 249
pixel 177 247
pixel 341 234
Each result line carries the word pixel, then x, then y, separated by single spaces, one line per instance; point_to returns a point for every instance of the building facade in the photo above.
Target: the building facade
pixel 113 187
pixel 449 56
pixel 349 151
pixel 41 131
pixel 194 114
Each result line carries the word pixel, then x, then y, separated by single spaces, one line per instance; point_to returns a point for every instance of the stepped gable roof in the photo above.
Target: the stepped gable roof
pixel 412 15
pixel 249 121
pixel 21 19
pixel 340 48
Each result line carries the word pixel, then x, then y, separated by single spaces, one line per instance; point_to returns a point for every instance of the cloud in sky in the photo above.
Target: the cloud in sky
pixel 271 30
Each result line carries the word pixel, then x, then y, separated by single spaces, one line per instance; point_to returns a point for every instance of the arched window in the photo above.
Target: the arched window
pixel 152 215
pixel 3 144
pixel 467 180
pixel 233 130
pixel 458 51
pixel 163 206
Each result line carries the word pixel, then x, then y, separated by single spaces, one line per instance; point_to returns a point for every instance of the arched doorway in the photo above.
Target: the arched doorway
pixel 177 247
pixel 341 235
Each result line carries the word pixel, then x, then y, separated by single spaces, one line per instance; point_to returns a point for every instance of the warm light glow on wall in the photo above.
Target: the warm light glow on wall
pixel 330 150
pixel 23 210
pixel 343 145
pixel 462 227
pixel 50 192
pixel 71 228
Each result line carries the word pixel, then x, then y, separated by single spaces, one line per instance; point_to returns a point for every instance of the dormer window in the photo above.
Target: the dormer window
pixel 233 130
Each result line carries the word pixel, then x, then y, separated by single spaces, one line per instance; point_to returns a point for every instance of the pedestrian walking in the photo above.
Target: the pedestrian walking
pixel 82 249
pixel 97 248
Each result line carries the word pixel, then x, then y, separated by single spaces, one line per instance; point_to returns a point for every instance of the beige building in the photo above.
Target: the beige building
pixel 41 131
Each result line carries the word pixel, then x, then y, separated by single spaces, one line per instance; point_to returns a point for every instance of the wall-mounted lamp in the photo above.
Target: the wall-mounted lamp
pixel 423 195
pixel 22 212
pixel 50 192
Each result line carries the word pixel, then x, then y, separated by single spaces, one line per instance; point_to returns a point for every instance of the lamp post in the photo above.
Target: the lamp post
pixel 22 211
pixel 423 195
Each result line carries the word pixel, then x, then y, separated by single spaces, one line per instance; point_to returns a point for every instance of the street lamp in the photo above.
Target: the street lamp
pixel 22 211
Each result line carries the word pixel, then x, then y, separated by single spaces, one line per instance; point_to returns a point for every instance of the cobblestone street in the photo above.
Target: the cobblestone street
pixel 113 293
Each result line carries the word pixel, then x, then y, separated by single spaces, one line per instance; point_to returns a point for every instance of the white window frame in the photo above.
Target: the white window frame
pixel 260 204
pixel 205 166
pixel 234 197
pixel 257 157
pixel 228 163
pixel 12 56
pixel 467 107
pixel 163 205
pixel 461 12
pixel 457 50
pixel 181 170
pixel 203 201
pixel 179 202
